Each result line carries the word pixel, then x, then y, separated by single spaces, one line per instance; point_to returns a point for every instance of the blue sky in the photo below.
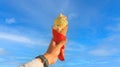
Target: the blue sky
pixel 93 34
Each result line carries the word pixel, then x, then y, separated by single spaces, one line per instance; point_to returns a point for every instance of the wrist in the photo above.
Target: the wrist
pixel 43 60
pixel 47 56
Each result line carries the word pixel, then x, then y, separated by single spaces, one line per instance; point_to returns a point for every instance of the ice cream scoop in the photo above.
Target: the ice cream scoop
pixel 60 22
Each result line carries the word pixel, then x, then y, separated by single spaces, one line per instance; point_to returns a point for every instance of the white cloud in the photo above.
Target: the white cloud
pixel 10 20
pixel 115 28
pixel 14 35
pixel 118 60
pixel 110 45
pixel 75 47
pixel 116 19
pixel 114 35
pixel 72 16
pixel 71 47
pixel 103 52
pixel 20 57
pixel 64 6
pixel 11 63
pixel 2 51
pixel 15 38
pixel 30 42
pixel 78 49
pixel 2 59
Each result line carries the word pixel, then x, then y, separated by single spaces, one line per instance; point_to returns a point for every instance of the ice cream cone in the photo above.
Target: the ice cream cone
pixel 59 31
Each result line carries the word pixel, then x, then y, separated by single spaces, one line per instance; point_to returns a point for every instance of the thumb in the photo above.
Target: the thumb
pixel 52 43
pixel 63 42
pixel 62 53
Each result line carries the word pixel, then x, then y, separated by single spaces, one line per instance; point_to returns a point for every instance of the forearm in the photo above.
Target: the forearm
pixel 33 63
pixel 48 58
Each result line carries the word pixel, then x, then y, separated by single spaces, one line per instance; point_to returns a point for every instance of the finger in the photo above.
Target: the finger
pixel 61 43
pixel 52 43
pixel 62 53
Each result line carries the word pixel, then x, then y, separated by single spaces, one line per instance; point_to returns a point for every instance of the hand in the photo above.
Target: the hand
pixel 53 51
